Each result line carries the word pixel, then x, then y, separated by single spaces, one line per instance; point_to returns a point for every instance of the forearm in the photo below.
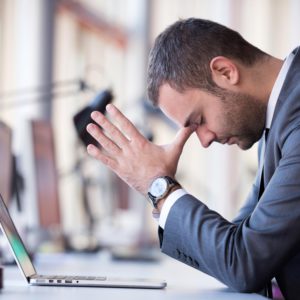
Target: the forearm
pixel 201 238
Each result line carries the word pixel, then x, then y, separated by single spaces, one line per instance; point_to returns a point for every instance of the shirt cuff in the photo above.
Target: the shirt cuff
pixel 169 202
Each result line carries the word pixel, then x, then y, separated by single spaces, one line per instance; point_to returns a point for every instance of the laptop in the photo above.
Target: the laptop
pixel 26 266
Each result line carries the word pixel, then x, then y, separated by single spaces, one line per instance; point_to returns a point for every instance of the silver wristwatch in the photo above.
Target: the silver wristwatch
pixel 160 188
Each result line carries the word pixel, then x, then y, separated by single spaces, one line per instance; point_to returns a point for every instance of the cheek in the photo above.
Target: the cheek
pixel 223 123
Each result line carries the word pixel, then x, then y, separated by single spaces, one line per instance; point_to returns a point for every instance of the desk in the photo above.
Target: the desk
pixel 184 283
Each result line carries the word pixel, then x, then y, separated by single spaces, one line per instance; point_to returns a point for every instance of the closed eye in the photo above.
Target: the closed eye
pixel 200 122
pixel 194 121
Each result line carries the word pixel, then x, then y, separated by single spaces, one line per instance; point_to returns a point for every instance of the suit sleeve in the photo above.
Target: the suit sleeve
pixel 250 203
pixel 246 254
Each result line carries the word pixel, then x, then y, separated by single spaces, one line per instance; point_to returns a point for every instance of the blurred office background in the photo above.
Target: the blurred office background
pixel 55 57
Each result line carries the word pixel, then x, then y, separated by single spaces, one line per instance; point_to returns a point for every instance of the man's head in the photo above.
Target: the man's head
pixel 211 62
pixel 182 54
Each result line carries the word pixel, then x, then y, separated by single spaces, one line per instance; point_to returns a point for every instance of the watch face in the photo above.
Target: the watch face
pixel 159 187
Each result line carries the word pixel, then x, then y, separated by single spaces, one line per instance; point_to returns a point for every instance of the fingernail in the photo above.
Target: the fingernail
pixel 109 107
pixel 91 149
pixel 95 114
pixel 89 127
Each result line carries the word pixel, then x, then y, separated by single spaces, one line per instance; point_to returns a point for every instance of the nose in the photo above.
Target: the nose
pixel 205 136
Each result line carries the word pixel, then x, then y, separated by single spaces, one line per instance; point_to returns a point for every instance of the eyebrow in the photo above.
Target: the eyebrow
pixel 187 122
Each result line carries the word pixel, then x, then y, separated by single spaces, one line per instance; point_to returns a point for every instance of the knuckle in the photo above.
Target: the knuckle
pixel 104 143
pixel 125 123
pixel 111 164
pixel 97 133
pixel 142 143
pixel 114 131
pixel 106 161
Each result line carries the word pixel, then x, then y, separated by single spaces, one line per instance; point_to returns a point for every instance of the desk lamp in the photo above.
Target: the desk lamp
pixel 83 117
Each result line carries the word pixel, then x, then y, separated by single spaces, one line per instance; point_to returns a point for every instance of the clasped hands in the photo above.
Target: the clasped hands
pixel 129 154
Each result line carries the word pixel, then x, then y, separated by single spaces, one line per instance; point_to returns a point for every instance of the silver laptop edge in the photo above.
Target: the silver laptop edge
pixel 29 273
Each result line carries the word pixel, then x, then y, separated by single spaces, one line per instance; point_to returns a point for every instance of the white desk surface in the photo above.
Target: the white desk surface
pixel 184 283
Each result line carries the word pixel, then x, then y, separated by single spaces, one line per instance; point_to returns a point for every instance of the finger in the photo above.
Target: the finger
pixel 110 128
pixel 105 159
pixel 102 139
pixel 124 123
pixel 182 136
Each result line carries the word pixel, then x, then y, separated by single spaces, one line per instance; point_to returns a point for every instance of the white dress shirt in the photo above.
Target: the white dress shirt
pixel 173 197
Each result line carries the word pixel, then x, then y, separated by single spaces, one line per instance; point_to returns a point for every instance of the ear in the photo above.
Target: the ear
pixel 225 72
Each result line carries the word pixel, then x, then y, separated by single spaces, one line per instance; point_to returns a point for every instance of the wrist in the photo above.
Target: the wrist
pixel 161 202
pixel 160 205
pixel 160 188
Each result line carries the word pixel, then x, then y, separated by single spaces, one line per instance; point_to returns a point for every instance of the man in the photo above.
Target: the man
pixel 210 81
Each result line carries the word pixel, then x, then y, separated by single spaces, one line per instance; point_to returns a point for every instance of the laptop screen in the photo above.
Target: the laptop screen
pixel 11 233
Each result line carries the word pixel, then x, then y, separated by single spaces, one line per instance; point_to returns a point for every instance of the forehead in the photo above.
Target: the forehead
pixel 178 106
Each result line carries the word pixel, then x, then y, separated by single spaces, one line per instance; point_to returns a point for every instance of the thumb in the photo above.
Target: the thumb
pixel 182 136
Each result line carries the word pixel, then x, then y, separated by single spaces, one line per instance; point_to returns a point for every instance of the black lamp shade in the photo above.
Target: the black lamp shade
pixel 83 117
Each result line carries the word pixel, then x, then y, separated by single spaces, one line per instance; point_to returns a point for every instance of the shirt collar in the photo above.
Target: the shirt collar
pixel 277 88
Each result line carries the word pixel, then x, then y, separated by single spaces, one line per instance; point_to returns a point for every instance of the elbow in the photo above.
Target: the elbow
pixel 245 288
pixel 246 285
pixel 247 277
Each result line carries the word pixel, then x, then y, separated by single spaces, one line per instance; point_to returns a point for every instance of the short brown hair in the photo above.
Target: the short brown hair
pixel 182 53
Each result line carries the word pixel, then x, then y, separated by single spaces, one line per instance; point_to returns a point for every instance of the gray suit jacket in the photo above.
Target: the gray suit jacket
pixel 264 239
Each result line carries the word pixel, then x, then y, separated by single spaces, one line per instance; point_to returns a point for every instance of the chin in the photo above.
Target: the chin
pixel 245 145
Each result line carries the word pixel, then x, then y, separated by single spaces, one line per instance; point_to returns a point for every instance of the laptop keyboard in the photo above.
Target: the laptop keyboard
pixel 69 279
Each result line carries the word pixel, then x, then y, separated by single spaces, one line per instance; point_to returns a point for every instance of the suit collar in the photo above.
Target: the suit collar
pixel 277 88
pixel 291 81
